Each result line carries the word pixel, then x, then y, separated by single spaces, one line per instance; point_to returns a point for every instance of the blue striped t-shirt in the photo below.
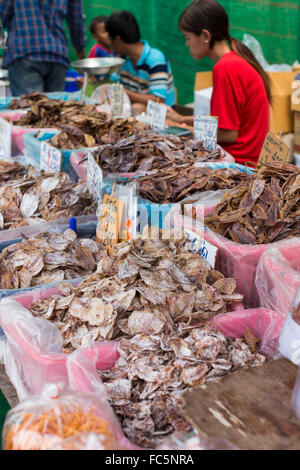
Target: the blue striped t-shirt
pixel 152 75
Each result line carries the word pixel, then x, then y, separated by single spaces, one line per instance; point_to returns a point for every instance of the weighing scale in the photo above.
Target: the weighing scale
pixel 97 72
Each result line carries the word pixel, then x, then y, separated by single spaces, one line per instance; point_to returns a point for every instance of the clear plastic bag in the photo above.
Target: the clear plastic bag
pixel 289 341
pixel 278 276
pixel 194 441
pixel 33 355
pixel 61 420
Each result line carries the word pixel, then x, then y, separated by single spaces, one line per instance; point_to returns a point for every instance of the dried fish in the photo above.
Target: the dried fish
pixel 147 151
pixel 145 385
pixel 40 259
pixel 138 290
pixel 264 210
pixel 174 183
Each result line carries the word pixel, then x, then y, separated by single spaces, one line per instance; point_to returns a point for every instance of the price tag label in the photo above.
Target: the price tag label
pixel 156 115
pixel 5 139
pixel 206 130
pixel 50 159
pixel 117 99
pixel 109 224
pixel 94 178
pixel 203 247
pixel 274 150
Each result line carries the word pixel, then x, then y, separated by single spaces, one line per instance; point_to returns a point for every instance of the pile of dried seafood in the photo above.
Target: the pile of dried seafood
pixel 46 197
pixel 12 171
pixel 46 258
pixel 148 286
pixel 146 383
pixel 47 113
pixel 152 151
pixel 175 183
pixel 264 210
pixel 80 125
pixel 90 132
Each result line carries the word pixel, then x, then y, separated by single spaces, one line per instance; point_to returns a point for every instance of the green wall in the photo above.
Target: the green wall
pixel 275 24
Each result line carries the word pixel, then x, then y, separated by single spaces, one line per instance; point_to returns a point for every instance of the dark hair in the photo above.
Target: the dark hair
pixel 124 24
pixel 96 21
pixel 210 15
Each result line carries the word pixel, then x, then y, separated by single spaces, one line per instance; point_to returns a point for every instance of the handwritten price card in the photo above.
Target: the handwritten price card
pixel 50 159
pixel 274 150
pixel 117 99
pixel 156 115
pixel 109 224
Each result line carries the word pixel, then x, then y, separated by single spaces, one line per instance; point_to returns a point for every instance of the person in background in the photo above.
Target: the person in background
pixel 241 88
pixel 102 48
pixel 146 73
pixel 37 52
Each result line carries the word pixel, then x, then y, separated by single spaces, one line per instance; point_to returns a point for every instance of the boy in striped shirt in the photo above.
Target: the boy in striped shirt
pixel 146 73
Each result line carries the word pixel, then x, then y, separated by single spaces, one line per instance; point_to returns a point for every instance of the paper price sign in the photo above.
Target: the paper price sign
pixel 117 99
pixel 50 159
pixel 109 224
pixel 5 139
pixel 94 179
pixel 206 130
pixel 274 150
pixel 156 115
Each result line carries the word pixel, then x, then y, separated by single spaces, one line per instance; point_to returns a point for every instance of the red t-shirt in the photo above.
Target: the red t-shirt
pixel 240 101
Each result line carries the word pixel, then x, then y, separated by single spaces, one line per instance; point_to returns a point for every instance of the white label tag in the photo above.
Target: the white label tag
pixel 5 139
pixel 117 99
pixel 94 179
pixel 156 115
pixel 206 130
pixel 50 159
pixel 206 249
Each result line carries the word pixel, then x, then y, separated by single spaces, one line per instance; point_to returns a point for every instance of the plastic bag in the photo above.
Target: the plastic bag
pixel 278 276
pixel 256 49
pixel 17 132
pixel 289 341
pixel 61 420
pixel 266 325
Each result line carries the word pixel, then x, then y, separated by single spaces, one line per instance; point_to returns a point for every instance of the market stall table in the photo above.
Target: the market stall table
pixel 251 408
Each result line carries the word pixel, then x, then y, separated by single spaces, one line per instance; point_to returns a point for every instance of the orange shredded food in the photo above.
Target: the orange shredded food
pixel 62 422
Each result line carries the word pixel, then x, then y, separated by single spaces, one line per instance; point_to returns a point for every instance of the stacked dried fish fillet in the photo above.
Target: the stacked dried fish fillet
pixel 264 210
pixel 152 151
pixel 45 197
pixel 175 183
pixel 79 125
pixel 46 258
pixel 147 286
pixel 146 383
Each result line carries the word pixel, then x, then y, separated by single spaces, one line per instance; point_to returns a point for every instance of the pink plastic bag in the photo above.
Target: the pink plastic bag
pixel 278 275
pixel 234 259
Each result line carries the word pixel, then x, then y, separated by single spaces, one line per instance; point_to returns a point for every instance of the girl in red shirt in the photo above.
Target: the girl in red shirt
pixel 241 88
